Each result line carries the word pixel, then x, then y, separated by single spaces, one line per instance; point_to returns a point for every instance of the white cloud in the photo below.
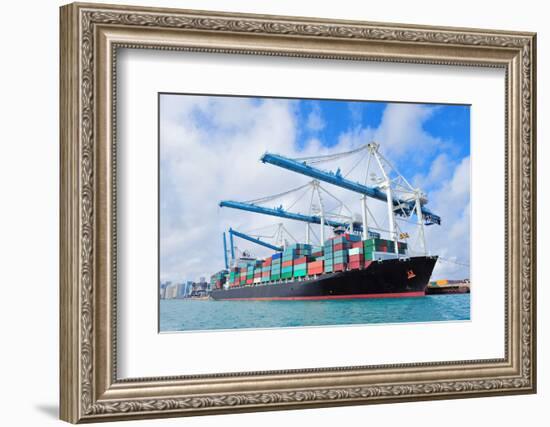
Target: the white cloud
pixel 209 152
pixel 315 122
pixel 451 240
pixel 402 134
pixel 441 169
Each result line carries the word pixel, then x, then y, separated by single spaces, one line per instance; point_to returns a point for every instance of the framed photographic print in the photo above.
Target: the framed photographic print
pixel 302 212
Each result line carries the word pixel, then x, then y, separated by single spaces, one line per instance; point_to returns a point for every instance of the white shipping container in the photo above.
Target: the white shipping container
pixel 355 251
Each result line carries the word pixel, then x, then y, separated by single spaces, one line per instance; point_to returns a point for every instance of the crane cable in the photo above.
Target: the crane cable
pixel 453 262
pixel 276 196
pixel 329 157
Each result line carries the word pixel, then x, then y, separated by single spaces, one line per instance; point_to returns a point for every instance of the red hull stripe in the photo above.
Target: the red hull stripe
pixel 327 297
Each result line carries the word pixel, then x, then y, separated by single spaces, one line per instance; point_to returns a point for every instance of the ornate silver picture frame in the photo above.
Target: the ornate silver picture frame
pixel 91 35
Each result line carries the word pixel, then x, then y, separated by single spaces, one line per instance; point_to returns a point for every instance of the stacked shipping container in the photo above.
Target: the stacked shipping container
pixel 340 253
pixel 276 261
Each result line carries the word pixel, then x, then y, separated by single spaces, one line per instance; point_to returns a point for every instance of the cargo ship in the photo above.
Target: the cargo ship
pixel 344 268
pixel 355 262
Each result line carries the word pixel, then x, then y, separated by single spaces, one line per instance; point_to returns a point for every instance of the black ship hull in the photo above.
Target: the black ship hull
pixel 381 279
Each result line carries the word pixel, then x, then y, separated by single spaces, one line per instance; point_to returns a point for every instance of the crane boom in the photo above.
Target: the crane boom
pixel 338 180
pixel 281 213
pixel 254 240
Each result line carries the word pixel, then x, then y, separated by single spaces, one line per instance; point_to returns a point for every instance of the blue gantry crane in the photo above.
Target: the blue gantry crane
pixel 282 213
pixel 233 232
pixel 404 207
pixel 255 240
pixel 401 198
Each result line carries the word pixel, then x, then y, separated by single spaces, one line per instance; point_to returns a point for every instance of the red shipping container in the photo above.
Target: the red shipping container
pixel 383 249
pixel 354 265
pixel 249 281
pixel 301 260
pixel 339 247
pixel 314 264
pixel 316 254
pixel 367 263
pixel 339 267
pixel 315 267
pixel 357 245
pixel 287 263
pixel 266 263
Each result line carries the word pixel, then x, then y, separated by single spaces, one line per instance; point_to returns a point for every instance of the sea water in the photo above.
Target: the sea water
pixel 200 315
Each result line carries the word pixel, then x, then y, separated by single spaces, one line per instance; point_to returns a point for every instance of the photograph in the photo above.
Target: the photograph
pixel 292 212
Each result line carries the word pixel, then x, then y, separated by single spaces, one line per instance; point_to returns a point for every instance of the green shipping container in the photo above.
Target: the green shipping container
pixel 375 249
pixel 286 275
pixel 375 241
pixel 300 273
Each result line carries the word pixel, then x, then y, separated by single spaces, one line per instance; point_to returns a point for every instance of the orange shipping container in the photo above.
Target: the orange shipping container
pixel 315 267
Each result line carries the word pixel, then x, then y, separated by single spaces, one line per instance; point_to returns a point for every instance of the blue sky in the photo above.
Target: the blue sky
pixel 210 146
pixel 450 123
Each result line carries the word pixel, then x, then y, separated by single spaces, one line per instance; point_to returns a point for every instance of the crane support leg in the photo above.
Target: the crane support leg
pixel 420 221
pixel 225 251
pixel 232 248
pixel 364 213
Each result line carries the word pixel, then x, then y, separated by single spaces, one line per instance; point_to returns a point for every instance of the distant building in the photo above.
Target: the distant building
pixel 171 291
pixel 162 290
pixel 188 288
pixel 181 290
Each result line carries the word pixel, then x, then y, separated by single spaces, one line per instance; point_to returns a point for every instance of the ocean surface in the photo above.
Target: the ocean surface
pixel 200 315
